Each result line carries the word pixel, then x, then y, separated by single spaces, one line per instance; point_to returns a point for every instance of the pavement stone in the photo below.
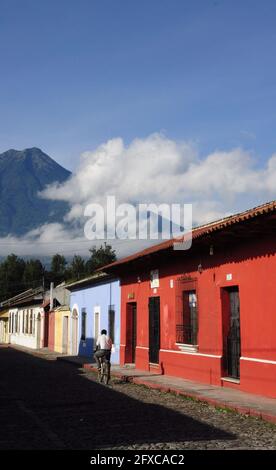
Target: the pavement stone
pixel 224 397
pixel 51 404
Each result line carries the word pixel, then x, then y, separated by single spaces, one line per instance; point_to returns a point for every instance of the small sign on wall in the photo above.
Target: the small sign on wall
pixel 131 295
pixel 171 283
pixel 229 277
pixel 154 278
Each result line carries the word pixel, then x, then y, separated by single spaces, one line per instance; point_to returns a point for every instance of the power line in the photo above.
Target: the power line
pixel 31 242
pixel 73 251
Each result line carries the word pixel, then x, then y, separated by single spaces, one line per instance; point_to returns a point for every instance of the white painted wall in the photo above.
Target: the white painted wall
pixel 4 336
pixel 27 339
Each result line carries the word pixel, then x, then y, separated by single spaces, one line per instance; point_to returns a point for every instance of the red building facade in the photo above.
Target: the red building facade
pixel 51 337
pixel 49 327
pixel 209 313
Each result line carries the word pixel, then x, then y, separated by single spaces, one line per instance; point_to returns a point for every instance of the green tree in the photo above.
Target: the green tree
pixel 58 268
pixel 76 268
pixel 33 273
pixel 11 274
pixel 100 257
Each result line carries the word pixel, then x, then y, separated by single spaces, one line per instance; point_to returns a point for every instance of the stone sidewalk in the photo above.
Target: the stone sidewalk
pixel 219 397
pixel 43 353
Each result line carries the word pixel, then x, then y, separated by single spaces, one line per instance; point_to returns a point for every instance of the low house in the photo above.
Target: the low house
pixel 94 305
pixel 4 326
pixel 62 331
pixel 207 313
pixel 56 319
pixel 25 321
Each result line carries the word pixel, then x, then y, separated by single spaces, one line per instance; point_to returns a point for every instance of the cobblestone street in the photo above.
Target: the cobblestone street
pixel 48 404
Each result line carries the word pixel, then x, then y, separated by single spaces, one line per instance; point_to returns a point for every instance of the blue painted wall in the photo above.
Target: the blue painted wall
pixel 99 295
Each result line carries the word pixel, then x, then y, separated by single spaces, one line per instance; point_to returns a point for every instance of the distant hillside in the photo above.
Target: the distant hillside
pixel 22 175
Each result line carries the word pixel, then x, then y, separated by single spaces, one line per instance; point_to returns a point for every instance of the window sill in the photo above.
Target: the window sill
pixel 230 379
pixel 192 348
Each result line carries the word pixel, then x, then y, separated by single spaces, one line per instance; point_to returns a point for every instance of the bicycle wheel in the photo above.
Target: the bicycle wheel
pixel 100 373
pixel 105 373
pixel 100 376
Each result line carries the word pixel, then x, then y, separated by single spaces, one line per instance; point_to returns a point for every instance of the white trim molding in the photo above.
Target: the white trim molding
pixel 231 380
pixel 254 359
pixel 187 347
pixel 142 347
pixel 190 353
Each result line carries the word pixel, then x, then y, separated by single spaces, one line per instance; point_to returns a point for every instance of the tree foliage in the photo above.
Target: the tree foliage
pixel 100 257
pixel 77 268
pixel 58 268
pixel 33 271
pixel 11 274
pixel 18 275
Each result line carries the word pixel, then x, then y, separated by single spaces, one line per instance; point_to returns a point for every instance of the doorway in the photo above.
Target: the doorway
pixel 38 331
pixel 97 324
pixel 154 329
pixel 131 332
pixel 231 332
pixel 65 335
pixel 46 329
pixel 75 346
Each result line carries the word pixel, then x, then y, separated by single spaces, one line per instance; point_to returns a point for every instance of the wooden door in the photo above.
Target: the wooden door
pixel 154 329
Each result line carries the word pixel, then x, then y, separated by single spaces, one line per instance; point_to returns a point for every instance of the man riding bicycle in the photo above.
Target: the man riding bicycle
pixel 103 348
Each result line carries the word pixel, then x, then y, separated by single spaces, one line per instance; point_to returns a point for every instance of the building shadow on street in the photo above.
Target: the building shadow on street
pixel 53 404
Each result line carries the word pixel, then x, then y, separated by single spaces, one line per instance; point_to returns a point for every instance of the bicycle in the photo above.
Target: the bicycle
pixel 104 372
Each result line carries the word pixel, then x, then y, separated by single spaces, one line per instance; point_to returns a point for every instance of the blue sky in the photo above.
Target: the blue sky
pixel 76 73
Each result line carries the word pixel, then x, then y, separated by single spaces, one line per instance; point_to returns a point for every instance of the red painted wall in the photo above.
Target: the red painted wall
pixel 46 330
pixel 51 335
pixel 252 264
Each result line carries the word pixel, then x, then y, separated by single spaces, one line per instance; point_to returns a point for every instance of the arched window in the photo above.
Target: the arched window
pixel 27 322
pixel 75 332
pixel 31 322
pixel 75 314
pixel 83 324
pixel 16 322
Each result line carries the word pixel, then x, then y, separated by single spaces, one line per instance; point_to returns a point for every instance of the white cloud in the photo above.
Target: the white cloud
pixel 153 170
pixel 45 240
pixel 157 169
pixel 49 239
